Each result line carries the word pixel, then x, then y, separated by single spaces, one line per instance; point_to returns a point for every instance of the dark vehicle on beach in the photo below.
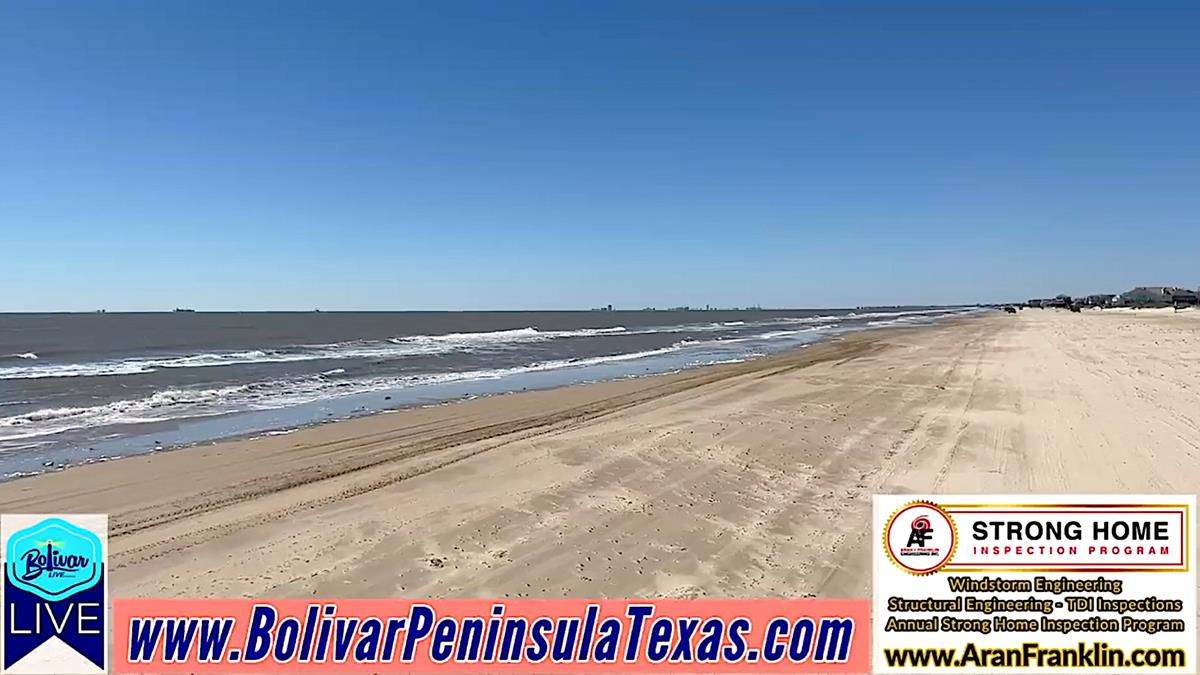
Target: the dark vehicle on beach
pixel 1009 309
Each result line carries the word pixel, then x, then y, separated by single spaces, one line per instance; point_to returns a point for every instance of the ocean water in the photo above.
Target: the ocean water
pixel 87 387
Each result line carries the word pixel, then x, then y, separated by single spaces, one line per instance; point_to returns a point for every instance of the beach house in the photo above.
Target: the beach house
pixel 1153 296
pixel 1184 296
pixel 1099 300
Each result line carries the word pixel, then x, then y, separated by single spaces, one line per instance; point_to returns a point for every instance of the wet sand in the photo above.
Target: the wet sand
pixel 752 479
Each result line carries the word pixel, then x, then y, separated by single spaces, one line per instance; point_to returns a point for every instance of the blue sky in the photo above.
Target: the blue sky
pixel 564 154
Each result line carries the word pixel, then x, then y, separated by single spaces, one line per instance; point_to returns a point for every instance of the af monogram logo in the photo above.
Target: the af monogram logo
pixel 922 530
pixel 920 538
pixel 55 594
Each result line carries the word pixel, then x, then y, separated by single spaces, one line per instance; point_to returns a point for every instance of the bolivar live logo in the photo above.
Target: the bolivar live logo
pixel 55 593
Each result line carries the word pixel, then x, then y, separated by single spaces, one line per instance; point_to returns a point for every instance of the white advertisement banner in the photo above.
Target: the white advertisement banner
pixel 1034 584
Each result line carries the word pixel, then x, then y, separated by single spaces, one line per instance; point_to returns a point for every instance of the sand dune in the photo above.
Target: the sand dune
pixel 746 480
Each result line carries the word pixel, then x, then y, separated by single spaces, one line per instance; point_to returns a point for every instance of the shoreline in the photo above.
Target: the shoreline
pixel 246 425
pixel 623 386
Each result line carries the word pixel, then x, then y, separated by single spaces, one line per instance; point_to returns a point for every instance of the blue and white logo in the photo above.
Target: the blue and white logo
pixel 55 594
pixel 54 559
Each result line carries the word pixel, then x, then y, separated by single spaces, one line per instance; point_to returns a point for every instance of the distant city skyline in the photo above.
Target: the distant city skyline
pixel 561 155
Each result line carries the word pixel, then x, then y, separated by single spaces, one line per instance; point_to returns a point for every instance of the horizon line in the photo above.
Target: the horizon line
pixel 495 311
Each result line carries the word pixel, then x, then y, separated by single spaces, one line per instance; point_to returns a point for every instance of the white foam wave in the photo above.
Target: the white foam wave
pixel 907 312
pixel 393 348
pixel 156 407
pixel 776 334
pixel 25 355
pixel 809 319
pixel 183 403
pixel 74 370
pixel 484 337
pixel 892 322
pixel 917 317
pixel 399 347
pixel 518 335
pixel 772 335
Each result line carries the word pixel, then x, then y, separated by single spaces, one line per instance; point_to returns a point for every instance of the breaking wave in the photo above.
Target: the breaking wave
pixel 699 343
pixel 773 335
pixel 184 403
pixel 777 334
pixel 418 345
pixel 502 337
pixel 398 347
pixel 908 312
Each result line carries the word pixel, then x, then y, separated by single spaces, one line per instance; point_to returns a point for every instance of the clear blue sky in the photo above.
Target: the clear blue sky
pixel 563 154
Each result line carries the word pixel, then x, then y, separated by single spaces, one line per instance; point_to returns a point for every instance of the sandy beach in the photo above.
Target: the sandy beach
pixel 752 479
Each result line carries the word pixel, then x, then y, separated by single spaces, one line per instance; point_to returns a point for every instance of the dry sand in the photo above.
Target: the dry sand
pixel 745 480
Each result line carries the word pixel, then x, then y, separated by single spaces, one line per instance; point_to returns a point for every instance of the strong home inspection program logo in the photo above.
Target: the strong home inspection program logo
pixel 920 538
pixel 55 593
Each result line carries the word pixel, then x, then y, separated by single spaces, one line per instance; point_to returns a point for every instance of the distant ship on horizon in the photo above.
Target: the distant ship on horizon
pixel 181 309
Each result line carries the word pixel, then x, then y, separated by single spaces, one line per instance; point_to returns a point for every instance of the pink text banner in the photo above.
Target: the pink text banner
pixel 491 636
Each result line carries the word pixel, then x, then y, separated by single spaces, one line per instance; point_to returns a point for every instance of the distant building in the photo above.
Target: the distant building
pixel 1058 301
pixel 1184 296
pixel 1154 296
pixel 1099 300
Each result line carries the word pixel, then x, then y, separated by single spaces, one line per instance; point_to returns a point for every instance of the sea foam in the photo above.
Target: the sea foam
pixel 199 402
pixel 392 348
